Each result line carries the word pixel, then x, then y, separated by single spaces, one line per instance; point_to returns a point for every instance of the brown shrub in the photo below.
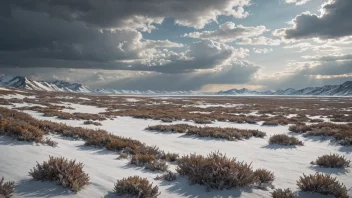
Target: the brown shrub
pixel 21 130
pixel 157 165
pixel 123 156
pixel 67 173
pixel 87 122
pixel 285 140
pixel 264 176
pixel 49 142
pixel 214 132
pixel 216 171
pixel 332 161
pixel 170 157
pixel 6 188
pixel 271 123
pixel 142 159
pixel 137 187
pixel 323 184
pixel 299 128
pixel 169 176
pixel 283 193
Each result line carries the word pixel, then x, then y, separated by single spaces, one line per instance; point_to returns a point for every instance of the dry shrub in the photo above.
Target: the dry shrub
pixel 157 165
pixel 136 187
pixel 170 157
pixel 67 173
pixel 283 193
pixel 6 188
pixel 214 132
pixel 123 156
pixel 142 159
pixel 332 161
pixel 203 121
pixel 323 184
pixel 21 130
pixel 285 140
pixel 49 142
pixel 271 123
pixel 169 176
pixel 88 122
pixel 264 176
pixel 299 128
pixel 216 171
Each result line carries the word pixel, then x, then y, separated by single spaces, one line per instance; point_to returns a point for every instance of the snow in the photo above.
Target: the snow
pixel 131 100
pixel 287 163
pixel 79 108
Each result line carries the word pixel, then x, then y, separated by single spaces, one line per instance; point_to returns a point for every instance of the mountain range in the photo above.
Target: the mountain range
pixel 20 82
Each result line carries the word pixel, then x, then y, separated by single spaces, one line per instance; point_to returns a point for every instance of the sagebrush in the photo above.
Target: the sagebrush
pixel 65 172
pixel 332 161
pixel 136 187
pixel 283 193
pixel 6 188
pixel 285 140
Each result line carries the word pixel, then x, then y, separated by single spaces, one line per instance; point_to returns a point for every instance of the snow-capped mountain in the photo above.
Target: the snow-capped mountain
pixel 344 89
pixel 20 82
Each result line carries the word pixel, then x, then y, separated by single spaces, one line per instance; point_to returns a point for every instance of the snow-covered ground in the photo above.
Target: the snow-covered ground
pixel 287 163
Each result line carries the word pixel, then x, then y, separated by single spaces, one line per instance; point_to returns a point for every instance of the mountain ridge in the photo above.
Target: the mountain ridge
pixel 22 82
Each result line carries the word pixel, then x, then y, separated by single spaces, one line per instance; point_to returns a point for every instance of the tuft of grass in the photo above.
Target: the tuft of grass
pixel 323 184
pixel 65 172
pixel 157 165
pixel 136 187
pixel 332 161
pixel 6 188
pixel 283 193
pixel 285 140
pixel 169 176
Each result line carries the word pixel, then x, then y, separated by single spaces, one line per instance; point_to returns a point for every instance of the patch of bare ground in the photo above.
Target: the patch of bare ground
pixel 214 132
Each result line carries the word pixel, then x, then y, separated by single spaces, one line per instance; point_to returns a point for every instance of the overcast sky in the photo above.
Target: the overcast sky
pixel 178 44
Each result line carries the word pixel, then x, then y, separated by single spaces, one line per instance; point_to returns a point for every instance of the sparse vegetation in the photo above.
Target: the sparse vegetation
pixel 323 184
pixel 285 140
pixel 169 176
pixel 217 171
pixel 65 172
pixel 137 187
pixel 214 132
pixel 157 165
pixel 283 193
pixel 6 188
pixel 332 161
pixel 88 122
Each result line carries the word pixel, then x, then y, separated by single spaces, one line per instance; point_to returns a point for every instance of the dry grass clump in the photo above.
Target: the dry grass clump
pixel 87 122
pixel 157 165
pixel 169 176
pixel 323 184
pixel 21 130
pixel 142 159
pixel 271 123
pixel 214 132
pixel 342 133
pixel 264 176
pixel 285 140
pixel 283 193
pixel 136 187
pixel 170 157
pixel 217 171
pixel 6 188
pixel 332 161
pixel 66 173
pixel 202 121
pixel 49 142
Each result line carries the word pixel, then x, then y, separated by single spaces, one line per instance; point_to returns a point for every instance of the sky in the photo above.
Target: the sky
pixel 173 45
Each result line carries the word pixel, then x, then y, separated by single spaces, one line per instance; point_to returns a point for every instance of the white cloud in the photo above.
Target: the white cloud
pixel 297 2
pixel 259 41
pixel 262 51
pixel 228 32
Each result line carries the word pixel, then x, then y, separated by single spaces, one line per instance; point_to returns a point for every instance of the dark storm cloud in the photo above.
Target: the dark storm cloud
pixel 117 13
pixel 335 22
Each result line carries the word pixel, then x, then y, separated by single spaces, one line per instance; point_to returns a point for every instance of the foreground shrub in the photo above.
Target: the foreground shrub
pixel 21 130
pixel 216 171
pixel 137 187
pixel 169 176
pixel 6 188
pixel 67 173
pixel 264 176
pixel 332 161
pixel 283 193
pixel 323 184
pixel 285 140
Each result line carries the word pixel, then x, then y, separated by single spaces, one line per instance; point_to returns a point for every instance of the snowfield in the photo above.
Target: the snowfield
pixel 287 163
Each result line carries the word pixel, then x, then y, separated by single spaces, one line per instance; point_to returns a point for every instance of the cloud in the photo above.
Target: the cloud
pixel 262 51
pixel 259 41
pixel 228 32
pixel 334 22
pixel 338 57
pixel 140 14
pixel 297 2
